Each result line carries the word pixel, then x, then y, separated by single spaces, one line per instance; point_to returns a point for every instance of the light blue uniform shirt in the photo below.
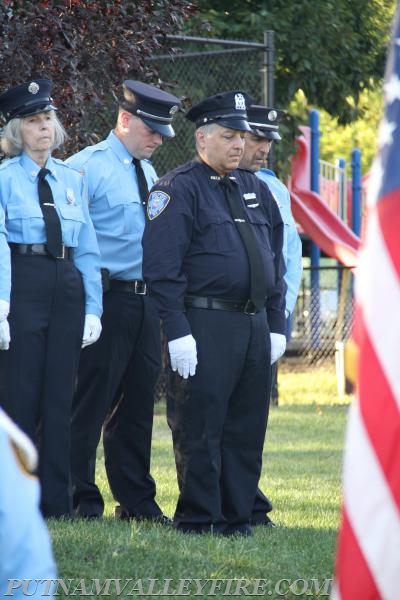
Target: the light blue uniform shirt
pixel 25 224
pixel 292 251
pixel 114 204
pixel 25 548
pixel 5 265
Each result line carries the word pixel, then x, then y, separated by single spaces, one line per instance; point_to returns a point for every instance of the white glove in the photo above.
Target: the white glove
pixel 4 309
pixel 278 346
pixel 4 335
pixel 183 354
pixel 91 330
pixel 4 326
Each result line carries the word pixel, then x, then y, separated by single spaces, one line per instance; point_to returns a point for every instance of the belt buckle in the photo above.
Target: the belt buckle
pixel 140 288
pixel 63 253
pixel 250 308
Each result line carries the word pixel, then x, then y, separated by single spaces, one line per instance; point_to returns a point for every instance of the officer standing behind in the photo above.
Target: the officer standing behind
pixel 117 377
pixel 213 260
pixel 264 124
pixel 55 304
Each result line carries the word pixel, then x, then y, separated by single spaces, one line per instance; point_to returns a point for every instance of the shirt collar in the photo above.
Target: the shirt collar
pixel 32 168
pixel 119 149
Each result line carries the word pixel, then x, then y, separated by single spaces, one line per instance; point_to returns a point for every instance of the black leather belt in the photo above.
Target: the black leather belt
pixel 39 250
pixel 137 286
pixel 247 307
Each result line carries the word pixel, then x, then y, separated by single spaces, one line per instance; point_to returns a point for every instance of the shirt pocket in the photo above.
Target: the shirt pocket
pixel 261 229
pixel 218 231
pixel 24 219
pixel 127 215
pixel 72 219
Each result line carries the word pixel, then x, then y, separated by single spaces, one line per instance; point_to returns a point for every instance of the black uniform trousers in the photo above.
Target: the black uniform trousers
pixel 116 383
pixel 38 372
pixel 218 421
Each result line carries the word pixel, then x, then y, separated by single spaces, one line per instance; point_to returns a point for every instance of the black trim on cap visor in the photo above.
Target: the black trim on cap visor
pixel 161 128
pixel 266 133
pixel 238 124
pixel 27 110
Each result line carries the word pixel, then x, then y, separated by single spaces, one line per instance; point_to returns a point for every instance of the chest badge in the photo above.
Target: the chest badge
pixel 250 199
pixel 70 196
pixel 157 202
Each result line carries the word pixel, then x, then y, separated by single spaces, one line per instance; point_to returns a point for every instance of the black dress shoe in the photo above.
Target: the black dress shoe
pixel 123 515
pixel 238 530
pixel 265 521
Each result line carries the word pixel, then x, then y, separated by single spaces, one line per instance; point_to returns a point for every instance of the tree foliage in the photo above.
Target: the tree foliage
pixel 87 48
pixel 330 49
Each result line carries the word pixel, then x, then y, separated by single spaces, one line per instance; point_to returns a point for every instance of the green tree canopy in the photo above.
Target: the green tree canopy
pixel 332 50
pixel 87 48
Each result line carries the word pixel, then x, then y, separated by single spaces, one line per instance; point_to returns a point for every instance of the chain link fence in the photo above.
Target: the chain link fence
pixel 323 316
pixel 197 71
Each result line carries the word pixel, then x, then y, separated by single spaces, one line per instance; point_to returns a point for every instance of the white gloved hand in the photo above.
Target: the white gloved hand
pixel 183 354
pixel 4 309
pixel 4 326
pixel 4 335
pixel 278 346
pixel 91 330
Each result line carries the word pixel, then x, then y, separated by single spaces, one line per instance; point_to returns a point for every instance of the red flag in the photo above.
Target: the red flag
pixel 368 553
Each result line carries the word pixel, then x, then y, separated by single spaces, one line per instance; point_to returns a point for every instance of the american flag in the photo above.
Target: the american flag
pixel 368 552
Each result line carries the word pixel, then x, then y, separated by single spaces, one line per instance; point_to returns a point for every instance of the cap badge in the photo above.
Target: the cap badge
pixel 174 109
pixel 240 103
pixel 272 115
pixel 33 88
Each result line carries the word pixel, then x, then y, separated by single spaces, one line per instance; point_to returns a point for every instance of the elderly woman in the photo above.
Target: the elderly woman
pixel 55 297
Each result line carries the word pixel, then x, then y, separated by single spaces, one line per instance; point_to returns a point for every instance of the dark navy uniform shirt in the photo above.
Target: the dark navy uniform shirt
pixel 192 246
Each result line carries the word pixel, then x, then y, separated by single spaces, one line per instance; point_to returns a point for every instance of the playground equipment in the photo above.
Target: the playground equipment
pixel 333 227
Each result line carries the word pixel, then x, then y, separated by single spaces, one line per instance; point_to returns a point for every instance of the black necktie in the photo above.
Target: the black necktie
pixel 143 189
pixel 258 284
pixel 51 218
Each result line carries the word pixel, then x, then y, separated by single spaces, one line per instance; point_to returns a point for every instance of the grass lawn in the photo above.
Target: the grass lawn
pixel 301 474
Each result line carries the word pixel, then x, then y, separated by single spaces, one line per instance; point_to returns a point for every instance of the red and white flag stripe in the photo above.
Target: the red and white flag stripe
pixel 368 553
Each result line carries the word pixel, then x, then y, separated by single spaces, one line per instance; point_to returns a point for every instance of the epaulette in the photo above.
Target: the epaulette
pixel 9 161
pixel 24 448
pixel 169 177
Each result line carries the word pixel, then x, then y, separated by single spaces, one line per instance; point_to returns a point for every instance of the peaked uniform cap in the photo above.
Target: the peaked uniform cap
pixel 264 121
pixel 228 109
pixel 26 99
pixel 154 106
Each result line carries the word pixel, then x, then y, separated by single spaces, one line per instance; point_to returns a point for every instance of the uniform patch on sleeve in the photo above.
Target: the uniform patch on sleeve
pixel 156 204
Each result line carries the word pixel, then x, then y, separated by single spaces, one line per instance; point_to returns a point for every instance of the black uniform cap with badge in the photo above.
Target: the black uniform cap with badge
pixel 227 109
pixel 26 99
pixel 154 106
pixel 264 121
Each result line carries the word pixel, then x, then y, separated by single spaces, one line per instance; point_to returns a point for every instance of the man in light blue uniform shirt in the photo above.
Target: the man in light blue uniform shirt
pixel 117 378
pixel 264 124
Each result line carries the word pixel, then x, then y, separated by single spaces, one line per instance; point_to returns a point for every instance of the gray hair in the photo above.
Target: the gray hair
pixel 11 138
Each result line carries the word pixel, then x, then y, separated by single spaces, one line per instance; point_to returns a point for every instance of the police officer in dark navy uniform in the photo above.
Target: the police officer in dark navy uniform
pixel 213 261
pixel 55 291
pixel 117 376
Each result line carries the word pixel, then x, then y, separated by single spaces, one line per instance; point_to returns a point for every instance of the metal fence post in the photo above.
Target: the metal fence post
pixel 315 252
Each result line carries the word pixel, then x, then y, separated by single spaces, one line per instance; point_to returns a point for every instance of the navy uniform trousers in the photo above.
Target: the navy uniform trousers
pixel 218 421
pixel 38 372
pixel 116 383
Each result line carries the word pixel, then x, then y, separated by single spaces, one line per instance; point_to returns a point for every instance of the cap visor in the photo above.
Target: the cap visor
pixel 34 110
pixel 238 124
pixel 266 133
pixel 163 129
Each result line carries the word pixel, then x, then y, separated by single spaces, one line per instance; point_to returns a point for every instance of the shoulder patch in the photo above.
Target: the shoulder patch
pixel 157 203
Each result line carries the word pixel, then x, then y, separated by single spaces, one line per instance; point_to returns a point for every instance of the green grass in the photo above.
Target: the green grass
pixel 301 474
